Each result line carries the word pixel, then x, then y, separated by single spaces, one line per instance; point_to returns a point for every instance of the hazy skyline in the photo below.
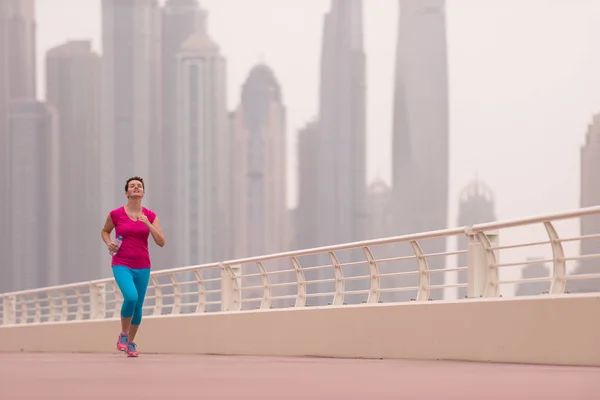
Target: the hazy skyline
pixel 499 87
pixel 522 92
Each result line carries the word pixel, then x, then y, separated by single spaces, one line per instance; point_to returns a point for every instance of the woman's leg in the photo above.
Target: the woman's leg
pixel 141 277
pixel 125 280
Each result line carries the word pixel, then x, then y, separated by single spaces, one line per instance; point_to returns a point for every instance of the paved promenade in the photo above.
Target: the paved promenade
pixel 171 377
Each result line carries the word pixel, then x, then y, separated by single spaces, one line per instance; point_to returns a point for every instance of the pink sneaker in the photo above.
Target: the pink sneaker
pixel 122 342
pixel 132 350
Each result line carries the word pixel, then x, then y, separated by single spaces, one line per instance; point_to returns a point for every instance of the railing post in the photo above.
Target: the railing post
pixel 158 296
pixel 231 296
pixel 477 267
pixel 9 310
pixel 492 240
pixel 482 275
pixel 98 301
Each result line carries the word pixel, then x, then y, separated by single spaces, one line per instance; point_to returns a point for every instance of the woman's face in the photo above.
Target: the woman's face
pixel 135 189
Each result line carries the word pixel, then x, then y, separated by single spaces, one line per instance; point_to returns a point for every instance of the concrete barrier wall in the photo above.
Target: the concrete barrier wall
pixel 561 330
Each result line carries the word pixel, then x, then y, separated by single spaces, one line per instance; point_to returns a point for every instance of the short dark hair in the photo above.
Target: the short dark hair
pixel 135 178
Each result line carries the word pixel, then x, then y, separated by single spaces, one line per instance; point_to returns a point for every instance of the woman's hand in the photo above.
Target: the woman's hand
pixel 112 247
pixel 144 219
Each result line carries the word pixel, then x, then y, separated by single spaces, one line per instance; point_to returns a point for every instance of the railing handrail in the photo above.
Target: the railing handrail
pixel 404 238
pixel 581 212
pixel 345 246
pixel 58 287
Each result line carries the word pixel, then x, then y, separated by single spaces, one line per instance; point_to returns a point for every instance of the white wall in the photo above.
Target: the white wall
pixel 542 330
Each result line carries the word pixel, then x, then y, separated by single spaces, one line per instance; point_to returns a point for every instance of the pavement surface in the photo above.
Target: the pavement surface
pixel 114 376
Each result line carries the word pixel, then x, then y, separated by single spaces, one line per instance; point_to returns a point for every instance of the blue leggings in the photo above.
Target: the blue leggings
pixel 133 284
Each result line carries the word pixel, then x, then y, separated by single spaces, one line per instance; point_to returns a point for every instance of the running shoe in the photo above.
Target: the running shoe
pixel 122 342
pixel 132 350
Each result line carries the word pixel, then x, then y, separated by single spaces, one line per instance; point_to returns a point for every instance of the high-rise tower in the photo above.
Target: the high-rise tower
pixel 341 147
pixel 476 206
pixel 73 83
pixel 131 112
pixel 5 266
pixel 341 140
pixel 259 167
pixel 17 84
pixel 21 48
pixel 590 196
pixel 420 148
pixel 203 157
pixel 180 20
pixel 33 196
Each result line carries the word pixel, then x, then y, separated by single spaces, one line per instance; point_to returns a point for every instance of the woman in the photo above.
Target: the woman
pixel 131 263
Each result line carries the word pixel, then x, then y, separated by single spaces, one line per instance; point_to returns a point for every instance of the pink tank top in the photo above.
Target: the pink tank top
pixel 133 252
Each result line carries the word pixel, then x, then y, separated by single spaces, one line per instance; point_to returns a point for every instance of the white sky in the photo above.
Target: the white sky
pixel 524 83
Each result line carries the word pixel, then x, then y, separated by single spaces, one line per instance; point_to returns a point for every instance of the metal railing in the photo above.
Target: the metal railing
pixel 394 269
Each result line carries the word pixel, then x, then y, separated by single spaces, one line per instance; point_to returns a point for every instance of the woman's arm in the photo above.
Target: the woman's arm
pixel 155 230
pixel 105 234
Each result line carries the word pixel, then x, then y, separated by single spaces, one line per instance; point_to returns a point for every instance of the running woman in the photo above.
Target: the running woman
pixel 131 263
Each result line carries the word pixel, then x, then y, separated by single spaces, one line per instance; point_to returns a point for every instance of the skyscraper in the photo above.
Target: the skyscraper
pixel 379 202
pixel 33 195
pixel 533 271
pixel 131 113
pixel 420 148
pixel 203 159
pixel 21 48
pixel 341 143
pixel 590 196
pixel 180 19
pixel 4 91
pixel 305 219
pixel 5 266
pixel 305 215
pixel 259 167
pixel 476 206
pixel 17 83
pixel 331 150
pixel 73 81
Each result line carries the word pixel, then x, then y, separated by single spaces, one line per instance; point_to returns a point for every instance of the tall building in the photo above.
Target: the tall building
pixel 533 271
pixel 590 196
pixel 420 141
pixel 259 167
pixel 180 19
pixel 17 83
pixel 476 206
pixel 73 82
pixel 341 147
pixel 229 182
pixel 304 218
pixel 379 203
pixel 341 142
pixel 33 196
pixel 21 48
pixel 4 89
pixel 260 217
pixel 131 113
pixel 5 266
pixel 203 158
pixel 379 206
pixel 305 215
